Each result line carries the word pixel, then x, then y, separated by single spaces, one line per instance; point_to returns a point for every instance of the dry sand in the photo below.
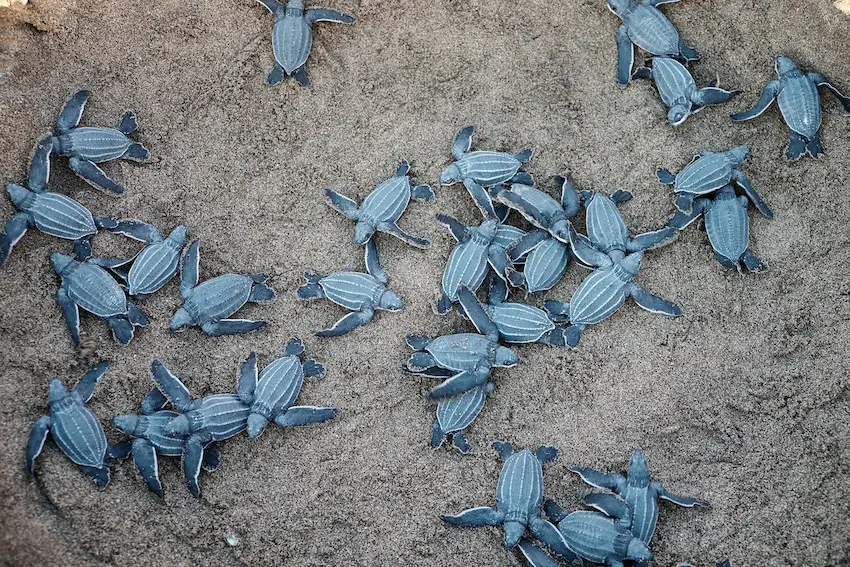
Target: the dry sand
pixel 743 401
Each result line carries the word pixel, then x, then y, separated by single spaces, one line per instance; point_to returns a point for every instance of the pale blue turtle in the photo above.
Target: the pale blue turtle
pixel 799 103
pixel 271 393
pixel 200 422
pixel 157 262
pixel 151 441
pixel 292 36
pixel 75 428
pixel 679 91
pixel 639 491
pixel 209 305
pixel 646 27
pixel 360 293
pixel 85 146
pixel 519 497
pixel 51 213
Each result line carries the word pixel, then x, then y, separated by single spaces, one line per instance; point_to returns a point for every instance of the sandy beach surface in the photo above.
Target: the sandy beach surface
pixel 743 401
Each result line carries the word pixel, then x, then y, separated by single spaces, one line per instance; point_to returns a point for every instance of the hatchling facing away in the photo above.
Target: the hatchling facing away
pixel 157 262
pixel 292 36
pixel 209 304
pixel 86 146
pixel 799 103
pixel 75 428
pixel 456 414
pixel 51 213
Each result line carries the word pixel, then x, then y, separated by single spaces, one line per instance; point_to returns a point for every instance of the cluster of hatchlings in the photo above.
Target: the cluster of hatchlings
pixel 493 253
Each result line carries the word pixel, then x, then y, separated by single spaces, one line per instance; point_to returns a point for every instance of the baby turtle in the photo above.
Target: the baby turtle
pixel 292 36
pixel 87 285
pixel 708 172
pixel 454 415
pixel 157 262
pixel 616 260
pixel 51 213
pixel 150 439
pixel 678 89
pixel 545 260
pixel 382 208
pixel 640 493
pixel 208 305
pixel 75 429
pixel 358 292
pixel 200 422
pixel 85 147
pixel 728 228
pixel 645 26
pixel 597 538
pixel 519 497
pixel 271 393
pixel 543 211
pixel 799 103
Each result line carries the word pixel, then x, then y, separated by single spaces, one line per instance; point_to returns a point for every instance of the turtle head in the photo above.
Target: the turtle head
pixel 638 551
pixel 19 195
pixel 60 262
pixel 180 321
pixel 488 229
pixel 679 112
pixel 619 7
pixel 390 301
pixel 505 357
pixel 784 65
pixel 256 425
pixel 450 175
pixel 363 231
pixel 178 427
pixel 178 235
pixel 57 391
pixel 638 471
pixel 561 230
pixel 631 263
pixel 127 423
pixel 513 532
pixel 739 153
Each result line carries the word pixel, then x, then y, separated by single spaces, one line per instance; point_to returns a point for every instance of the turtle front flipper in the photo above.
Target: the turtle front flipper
pixel 373 262
pixel 394 230
pixel 654 239
pixel 687 52
pixel 171 386
pixel 523 246
pixel 193 456
pixel 585 252
pixel 459 384
pixel 40 167
pixel 767 97
pixel 94 176
pixel 342 204
pixel 481 516
pixel 652 303
pixel 681 220
pixel 272 6
pixel 137 230
pixel 611 506
pixel 625 55
pixel 712 95
pixel 71 312
pixel 314 15
pixel 72 111
pixel 145 459
pixel 305 415
pixel 14 231
pixel 741 179
pixel 458 230
pixel 349 322
pixel 247 381
pixel 189 271
pixel 599 479
pixel 232 327
pixel 476 313
pixel 570 201
pixel 535 556
pixel 481 198
pixel 822 81
pixel 547 533
pixel 462 142
pixel 85 387
pixel 683 501
pixel 38 436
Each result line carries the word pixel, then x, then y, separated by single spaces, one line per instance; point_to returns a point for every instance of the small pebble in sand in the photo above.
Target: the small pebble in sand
pixel 843 5
pixel 232 540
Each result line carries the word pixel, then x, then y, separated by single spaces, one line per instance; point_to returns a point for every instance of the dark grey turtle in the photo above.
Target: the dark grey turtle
pixel 157 262
pixel 87 285
pixel 708 172
pixel 616 260
pixel 271 393
pixel 799 103
pixel 85 147
pixel 544 258
pixel 200 422
pixel 360 293
pixel 292 36
pixel 51 213
pixel 645 26
pixel 382 208
pixel 209 304
pixel 728 228
pixel 150 439
pixel 454 415
pixel 679 91
pixel 597 538
pixel 640 493
pixel 519 497
pixel 75 429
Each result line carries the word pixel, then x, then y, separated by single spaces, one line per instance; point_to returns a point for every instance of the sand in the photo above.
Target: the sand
pixel 743 401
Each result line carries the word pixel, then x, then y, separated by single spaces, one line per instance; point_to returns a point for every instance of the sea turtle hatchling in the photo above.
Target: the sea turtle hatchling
pixel 271 393
pixel 292 36
pixel 360 293
pixel 150 439
pixel 799 103
pixel 645 26
pixel 678 89
pixel 157 262
pixel 595 537
pixel 51 213
pixel 616 260
pixel 86 284
pixel 75 428
pixel 200 422
pixel 640 493
pixel 209 304
pixel 455 415
pixel 708 172
pixel 519 497
pixel 85 146
pixel 543 211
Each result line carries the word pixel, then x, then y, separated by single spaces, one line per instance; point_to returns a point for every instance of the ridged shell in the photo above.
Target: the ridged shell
pixel 599 296
pixel 708 173
pixel 520 489
pixel 672 80
pixel 279 384
pixel 95 144
pixel 61 216
pixel 292 38
pixel 507 234
pixel 351 289
pixel 546 265
pixel 92 288
pixel 644 508
pixel 218 298
pixel 728 227
pixel 460 352
pixel 595 537
pixel 650 30
pixel 164 444
pixel 800 105
pixel 77 432
pixel 488 168
pixel 388 200
pixel 520 323
pixel 467 265
pixel 456 414
pixel 153 267
pixel 224 416
pixel 605 225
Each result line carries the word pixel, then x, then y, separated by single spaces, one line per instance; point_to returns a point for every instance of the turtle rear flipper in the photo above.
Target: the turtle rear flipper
pixel 301 76
pixel 437 435
pixel 458 384
pixel 38 436
pixel 814 147
pixel 261 293
pixel 523 178
pixel 572 335
pixel 313 368
pixel 94 176
pixel 443 305
pixel 72 111
pixel 460 443
pixel 100 475
pixel 305 415
pixel 232 327
pixel 311 289
pixel 687 52
pixel 144 457
pixel 417 342
pixel 752 262
pixel 137 152
pixel 665 176
pixel 128 123
pixel 796 147
pixel 122 329
pixel 14 231
pixel 423 193
pixel 348 323
pixel 535 556
pixel 212 458
pixel 276 75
